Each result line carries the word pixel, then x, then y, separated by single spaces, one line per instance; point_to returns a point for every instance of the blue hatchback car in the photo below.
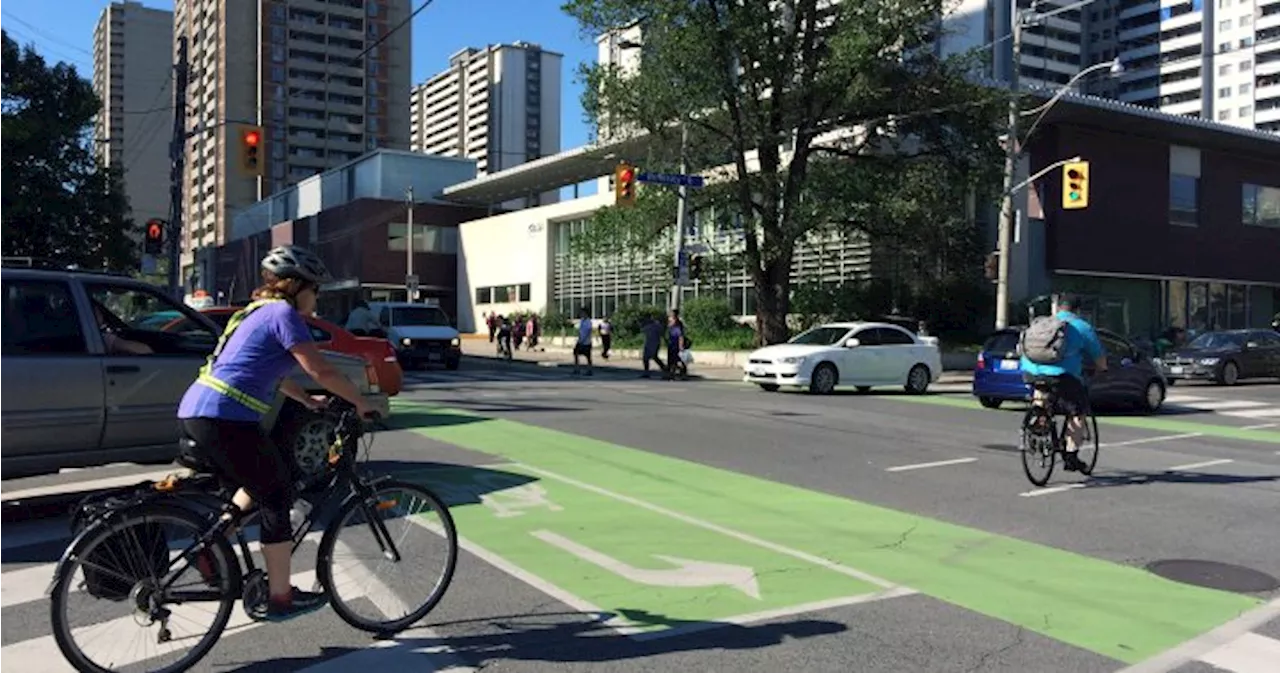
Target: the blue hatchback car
pixel 1132 378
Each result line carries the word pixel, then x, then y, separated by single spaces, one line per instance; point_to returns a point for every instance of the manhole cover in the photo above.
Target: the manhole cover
pixel 1215 575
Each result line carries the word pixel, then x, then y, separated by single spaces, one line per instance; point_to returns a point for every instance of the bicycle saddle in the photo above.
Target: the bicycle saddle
pixel 190 456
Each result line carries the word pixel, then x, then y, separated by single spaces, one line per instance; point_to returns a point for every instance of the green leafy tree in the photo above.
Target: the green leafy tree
pixel 60 202
pixel 763 89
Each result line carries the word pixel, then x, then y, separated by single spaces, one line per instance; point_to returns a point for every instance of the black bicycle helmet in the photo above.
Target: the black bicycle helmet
pixel 291 261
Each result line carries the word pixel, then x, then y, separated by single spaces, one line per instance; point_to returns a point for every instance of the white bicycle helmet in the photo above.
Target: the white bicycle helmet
pixel 291 261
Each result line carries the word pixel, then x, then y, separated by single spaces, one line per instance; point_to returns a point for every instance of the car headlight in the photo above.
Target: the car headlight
pixel 791 360
pixel 455 341
pixel 1209 362
pixel 406 341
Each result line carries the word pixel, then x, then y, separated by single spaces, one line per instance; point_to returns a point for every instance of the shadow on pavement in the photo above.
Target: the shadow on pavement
pixel 577 638
pixel 601 367
pixel 1135 478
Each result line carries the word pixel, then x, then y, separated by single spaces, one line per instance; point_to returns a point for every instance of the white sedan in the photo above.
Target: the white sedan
pixel 861 354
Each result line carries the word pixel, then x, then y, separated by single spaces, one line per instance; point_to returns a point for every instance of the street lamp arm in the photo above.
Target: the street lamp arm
pixel 1041 173
pixel 1034 18
pixel 1112 65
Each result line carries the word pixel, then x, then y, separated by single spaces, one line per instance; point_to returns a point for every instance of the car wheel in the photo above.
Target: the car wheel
pixel 990 402
pixel 1153 397
pixel 768 387
pixel 824 379
pixel 306 436
pixel 1229 375
pixel 918 380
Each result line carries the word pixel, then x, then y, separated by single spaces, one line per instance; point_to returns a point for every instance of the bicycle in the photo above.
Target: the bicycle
pixel 201 505
pixel 1042 440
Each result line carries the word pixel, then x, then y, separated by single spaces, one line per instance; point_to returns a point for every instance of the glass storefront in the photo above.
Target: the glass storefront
pixel 1142 308
pixel 1199 307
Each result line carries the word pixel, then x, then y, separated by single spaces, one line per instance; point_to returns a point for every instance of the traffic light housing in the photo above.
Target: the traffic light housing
pixel 624 185
pixel 1075 185
pixel 251 154
pixel 154 237
pixel 695 267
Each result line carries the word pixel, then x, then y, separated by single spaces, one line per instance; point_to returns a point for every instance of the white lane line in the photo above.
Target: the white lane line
pixel 1047 491
pixel 1250 653
pixel 41 653
pixel 1269 412
pixel 1179 399
pixel 1262 426
pixel 91 485
pixel 1145 440
pixel 921 466
pixel 1220 405
pixel 1193 466
pixel 1208 642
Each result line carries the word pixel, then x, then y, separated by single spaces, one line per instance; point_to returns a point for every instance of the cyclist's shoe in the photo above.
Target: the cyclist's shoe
pixel 1071 462
pixel 300 603
pixel 204 564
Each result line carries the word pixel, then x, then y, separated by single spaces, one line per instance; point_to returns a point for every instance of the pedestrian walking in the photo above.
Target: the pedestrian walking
pixel 676 339
pixel 606 337
pixel 492 321
pixel 583 347
pixel 652 330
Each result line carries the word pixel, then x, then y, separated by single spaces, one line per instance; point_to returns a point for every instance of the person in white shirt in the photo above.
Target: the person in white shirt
pixel 606 337
pixel 583 347
pixel 362 322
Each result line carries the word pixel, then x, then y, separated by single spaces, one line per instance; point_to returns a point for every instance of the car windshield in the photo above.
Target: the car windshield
pixel 1004 342
pixel 1216 340
pixel 821 336
pixel 419 315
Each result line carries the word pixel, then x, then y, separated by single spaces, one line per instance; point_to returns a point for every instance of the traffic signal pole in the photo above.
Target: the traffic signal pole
pixel 1005 235
pixel 177 156
pixel 677 290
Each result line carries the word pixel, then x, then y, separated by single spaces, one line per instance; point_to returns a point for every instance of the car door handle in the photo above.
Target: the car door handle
pixel 123 369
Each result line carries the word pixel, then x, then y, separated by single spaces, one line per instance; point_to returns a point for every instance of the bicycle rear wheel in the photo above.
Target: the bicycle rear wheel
pixel 1038 443
pixel 375 550
pixel 1090 445
pixel 170 611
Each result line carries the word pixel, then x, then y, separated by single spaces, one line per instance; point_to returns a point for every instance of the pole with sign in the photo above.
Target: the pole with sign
pixel 411 286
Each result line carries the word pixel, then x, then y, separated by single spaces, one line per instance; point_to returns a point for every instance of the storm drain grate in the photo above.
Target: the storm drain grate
pixel 1215 575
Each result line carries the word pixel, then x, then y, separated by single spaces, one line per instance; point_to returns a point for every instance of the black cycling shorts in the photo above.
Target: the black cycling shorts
pixel 240 452
pixel 1069 393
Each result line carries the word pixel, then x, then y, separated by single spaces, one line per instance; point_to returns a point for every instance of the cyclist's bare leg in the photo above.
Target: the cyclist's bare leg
pixel 1075 433
pixel 279 583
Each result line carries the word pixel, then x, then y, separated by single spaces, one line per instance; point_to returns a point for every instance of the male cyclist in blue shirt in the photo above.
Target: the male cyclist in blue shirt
pixel 1072 396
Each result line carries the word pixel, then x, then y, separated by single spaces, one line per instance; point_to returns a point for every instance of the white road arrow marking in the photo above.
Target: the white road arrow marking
pixel 689 573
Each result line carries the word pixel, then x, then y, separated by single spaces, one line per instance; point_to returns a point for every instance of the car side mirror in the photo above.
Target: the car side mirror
pixel 852 343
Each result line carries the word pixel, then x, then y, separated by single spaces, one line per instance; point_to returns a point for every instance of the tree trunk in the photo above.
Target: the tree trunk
pixel 773 300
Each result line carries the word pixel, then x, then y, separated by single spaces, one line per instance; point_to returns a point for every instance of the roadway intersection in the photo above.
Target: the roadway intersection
pixel 630 525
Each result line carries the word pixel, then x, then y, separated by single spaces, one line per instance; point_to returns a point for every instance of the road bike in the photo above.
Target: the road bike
pixel 1043 439
pixel 135 543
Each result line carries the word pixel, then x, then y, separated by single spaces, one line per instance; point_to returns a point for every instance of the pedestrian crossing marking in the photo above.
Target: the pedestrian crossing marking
pixel 1234 408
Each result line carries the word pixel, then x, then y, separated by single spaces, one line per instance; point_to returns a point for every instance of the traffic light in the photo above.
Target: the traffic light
pixel 624 185
pixel 695 267
pixel 154 242
pixel 1075 185
pixel 251 162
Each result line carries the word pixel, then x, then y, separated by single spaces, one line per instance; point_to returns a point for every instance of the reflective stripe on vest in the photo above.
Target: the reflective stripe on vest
pixel 206 376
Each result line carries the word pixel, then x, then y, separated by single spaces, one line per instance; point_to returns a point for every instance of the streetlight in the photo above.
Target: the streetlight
pixel 1022 19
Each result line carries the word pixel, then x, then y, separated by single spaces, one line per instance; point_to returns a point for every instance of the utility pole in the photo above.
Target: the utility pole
pixel 177 156
pixel 409 281
pixel 677 290
pixel 1005 235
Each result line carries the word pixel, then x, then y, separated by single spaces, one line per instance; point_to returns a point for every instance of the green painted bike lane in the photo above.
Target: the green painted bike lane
pixel 1111 609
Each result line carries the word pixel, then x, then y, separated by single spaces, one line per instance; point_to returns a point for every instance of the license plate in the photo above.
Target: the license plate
pixel 759 372
pixel 1175 370
pixel 433 357
pixel 1009 364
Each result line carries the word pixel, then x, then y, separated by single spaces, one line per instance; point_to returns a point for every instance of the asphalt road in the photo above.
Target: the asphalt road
pixel 627 525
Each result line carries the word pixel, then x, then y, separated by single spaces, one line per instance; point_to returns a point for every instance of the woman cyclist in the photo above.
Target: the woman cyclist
pixel 222 410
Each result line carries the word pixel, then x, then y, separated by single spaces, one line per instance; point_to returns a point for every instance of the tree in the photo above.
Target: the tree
pixel 60 202
pixel 820 117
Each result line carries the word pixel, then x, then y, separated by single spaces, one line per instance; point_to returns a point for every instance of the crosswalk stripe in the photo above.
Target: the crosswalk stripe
pixel 1179 398
pixel 1222 405
pixel 1270 412
pixel 1249 653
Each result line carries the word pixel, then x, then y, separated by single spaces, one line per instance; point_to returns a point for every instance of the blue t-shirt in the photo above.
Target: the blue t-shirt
pixel 1081 341
pixel 254 360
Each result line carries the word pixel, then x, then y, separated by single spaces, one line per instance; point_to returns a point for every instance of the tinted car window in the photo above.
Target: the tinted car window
pixel 893 337
pixel 868 337
pixel 1265 338
pixel 821 336
pixel 142 315
pixel 1002 342
pixel 1114 345
pixel 318 334
pixel 40 318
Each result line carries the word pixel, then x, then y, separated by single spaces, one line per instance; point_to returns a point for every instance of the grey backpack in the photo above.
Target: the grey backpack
pixel 1045 341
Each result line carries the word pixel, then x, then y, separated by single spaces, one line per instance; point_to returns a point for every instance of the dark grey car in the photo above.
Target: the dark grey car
pixel 68 402
pixel 1226 357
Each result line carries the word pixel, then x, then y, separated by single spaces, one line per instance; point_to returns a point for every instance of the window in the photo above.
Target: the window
pixel 1224 25
pixel 1224 46
pixel 1246 42
pixel 501 294
pixel 484 295
pixel 426 238
pixel 526 291
pixel 1246 65
pixel 1224 69
pixel 40 318
pixel 1224 115
pixel 1245 88
pixel 1184 185
pixel 1246 110
pixel 136 317
pixel 1223 92
pixel 894 337
pixel 1245 20
pixel 1261 206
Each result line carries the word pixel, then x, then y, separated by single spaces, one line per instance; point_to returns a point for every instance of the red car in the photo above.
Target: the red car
pixel 376 351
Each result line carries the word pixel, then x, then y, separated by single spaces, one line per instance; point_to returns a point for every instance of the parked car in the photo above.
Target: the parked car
pixel 389 378
pixel 1132 379
pixel 862 354
pixel 422 334
pixel 1226 357
pixel 68 402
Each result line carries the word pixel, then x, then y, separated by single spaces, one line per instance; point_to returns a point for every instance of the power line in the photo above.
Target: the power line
pixel 355 60
pixel 46 36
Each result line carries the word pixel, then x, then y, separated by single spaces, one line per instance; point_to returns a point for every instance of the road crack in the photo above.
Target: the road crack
pixel 995 653
pixel 902 539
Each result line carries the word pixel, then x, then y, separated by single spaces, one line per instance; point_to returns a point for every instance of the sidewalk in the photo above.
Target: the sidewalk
pixel 624 359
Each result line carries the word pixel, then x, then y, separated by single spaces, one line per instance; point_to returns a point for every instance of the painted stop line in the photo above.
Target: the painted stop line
pixel 655 572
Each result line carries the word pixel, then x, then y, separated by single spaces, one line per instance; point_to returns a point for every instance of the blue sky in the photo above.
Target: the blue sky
pixel 63 31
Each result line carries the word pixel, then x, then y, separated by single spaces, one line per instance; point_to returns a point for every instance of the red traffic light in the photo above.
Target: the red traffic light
pixel 154 229
pixel 626 175
pixel 251 138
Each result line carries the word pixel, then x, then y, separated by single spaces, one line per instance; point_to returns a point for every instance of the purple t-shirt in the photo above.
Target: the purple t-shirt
pixel 254 360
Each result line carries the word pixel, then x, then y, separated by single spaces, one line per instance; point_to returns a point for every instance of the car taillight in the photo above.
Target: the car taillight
pixel 982 363
pixel 390 355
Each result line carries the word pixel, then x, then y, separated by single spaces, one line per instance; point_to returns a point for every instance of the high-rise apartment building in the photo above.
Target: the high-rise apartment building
pixel 132 76
pixel 296 69
pixel 499 105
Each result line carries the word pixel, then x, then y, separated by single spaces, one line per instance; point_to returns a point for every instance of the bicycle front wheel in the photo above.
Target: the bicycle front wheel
pixel 1090 445
pixel 396 535
pixel 169 608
